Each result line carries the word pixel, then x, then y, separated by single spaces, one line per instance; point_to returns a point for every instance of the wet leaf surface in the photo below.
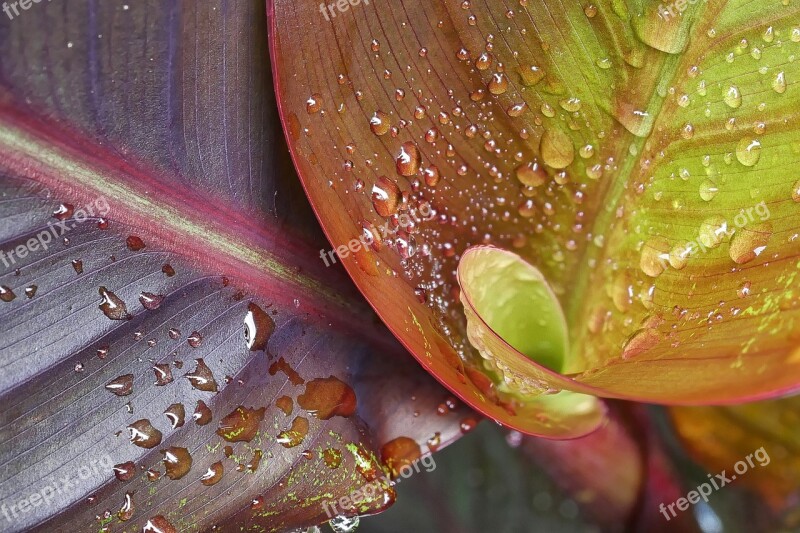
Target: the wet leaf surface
pixel 143 138
pixel 639 160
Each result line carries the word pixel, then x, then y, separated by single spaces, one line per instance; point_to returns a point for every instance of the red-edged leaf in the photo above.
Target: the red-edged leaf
pixel 595 142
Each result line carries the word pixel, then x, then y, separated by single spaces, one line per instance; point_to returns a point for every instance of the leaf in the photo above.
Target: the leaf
pixel 763 433
pixel 163 257
pixel 595 142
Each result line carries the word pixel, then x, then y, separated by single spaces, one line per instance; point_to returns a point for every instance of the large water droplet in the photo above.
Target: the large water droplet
pixel 295 435
pixel 163 373
pixel 241 424
pixel 6 294
pixel 202 413
pixel 113 307
pixel 125 471
pixel 258 327
pixel 556 148
pixel 380 124
pixel 400 453
pixel 151 301
pixel 531 174
pixel 134 243
pixel 122 385
pixel 640 342
pixel 748 151
pixel 779 83
pixel 158 524
pixel 143 434
pixel 750 242
pixel 408 160
pixel 328 397
pixel 213 474
pixel 202 378
pixel 733 97
pixel 177 461
pixel 344 524
pixel 176 414
pixel 385 196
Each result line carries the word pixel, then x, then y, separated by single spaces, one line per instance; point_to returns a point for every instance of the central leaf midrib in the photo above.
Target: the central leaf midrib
pixel 605 217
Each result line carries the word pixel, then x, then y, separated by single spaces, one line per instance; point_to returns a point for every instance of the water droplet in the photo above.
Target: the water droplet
pixel 385 196
pixel 125 512
pixel 530 75
pixel 640 342
pixel 517 109
pixel 380 123
pixel 112 306
pixel 177 462
pixel 77 266
pixel 176 414
pixel 241 424
pixel 531 174
pixel 134 243
pixel 708 190
pixel 408 160
pixel 282 366
pixel 285 404
pixel 432 176
pixel 125 471
pixel 295 435
pixel 314 103
pixel 151 301
pixel 163 373
pixel 749 242
pixel 202 413
pixel 328 397
pixel 733 98
pixel 467 424
pixel 213 474
pixel 661 29
pixel 655 256
pixel 158 524
pixel 571 105
pixel 556 148
pixel 748 151
pixel 6 294
pixel 202 378
pixel 744 290
pixel 483 61
pixel 400 453
pixel 344 524
pixel 258 327
pixel 143 434
pixel 195 339
pixel 498 84
pixel 64 211
pixel 122 385
pixel 779 83
pixel 636 121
